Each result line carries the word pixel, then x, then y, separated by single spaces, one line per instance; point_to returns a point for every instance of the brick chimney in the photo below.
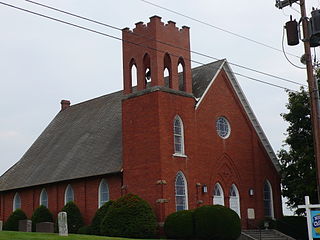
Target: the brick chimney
pixel 64 104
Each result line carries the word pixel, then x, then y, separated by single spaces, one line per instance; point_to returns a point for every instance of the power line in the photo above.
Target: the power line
pixel 137 44
pixel 165 43
pixel 216 27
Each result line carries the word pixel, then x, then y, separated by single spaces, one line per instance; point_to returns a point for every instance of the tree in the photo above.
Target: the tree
pixel 297 161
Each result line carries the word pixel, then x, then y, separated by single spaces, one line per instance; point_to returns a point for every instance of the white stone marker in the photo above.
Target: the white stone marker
pixel 1 224
pixel 63 224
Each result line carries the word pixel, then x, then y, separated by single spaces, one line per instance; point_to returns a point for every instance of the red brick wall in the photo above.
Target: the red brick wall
pixel 85 196
pixel 240 159
pixel 147 127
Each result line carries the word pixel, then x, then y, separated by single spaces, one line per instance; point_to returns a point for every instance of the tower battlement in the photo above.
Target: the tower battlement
pixel 154 47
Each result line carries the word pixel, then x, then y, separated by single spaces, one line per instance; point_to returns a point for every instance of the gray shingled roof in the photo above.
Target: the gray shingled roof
pixel 84 140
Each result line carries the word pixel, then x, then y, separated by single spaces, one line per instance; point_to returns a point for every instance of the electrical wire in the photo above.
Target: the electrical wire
pixel 216 27
pixel 165 43
pixel 137 44
pixel 284 53
pixel 295 9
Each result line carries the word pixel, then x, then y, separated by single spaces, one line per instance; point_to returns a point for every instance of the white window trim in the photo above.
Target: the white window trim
pixel 237 197
pixel 179 155
pixel 42 192
pixel 182 153
pixel 185 190
pixel 99 192
pixel 16 195
pixel 65 194
pixel 271 198
pixel 222 193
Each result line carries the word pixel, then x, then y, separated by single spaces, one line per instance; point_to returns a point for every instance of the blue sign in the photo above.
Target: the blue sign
pixel 315 224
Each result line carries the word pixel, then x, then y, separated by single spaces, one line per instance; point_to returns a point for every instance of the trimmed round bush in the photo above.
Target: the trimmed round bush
pixel 74 217
pixel 129 216
pixel 216 222
pixel 41 214
pixel 84 230
pixel 294 226
pixel 12 223
pixel 98 217
pixel 179 225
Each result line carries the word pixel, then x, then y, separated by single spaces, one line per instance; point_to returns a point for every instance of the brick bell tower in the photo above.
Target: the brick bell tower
pixel 149 109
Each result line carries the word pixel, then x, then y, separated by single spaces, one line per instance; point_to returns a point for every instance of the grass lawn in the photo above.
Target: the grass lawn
pixel 8 235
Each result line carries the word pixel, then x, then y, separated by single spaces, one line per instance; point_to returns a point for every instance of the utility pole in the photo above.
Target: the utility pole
pixel 312 84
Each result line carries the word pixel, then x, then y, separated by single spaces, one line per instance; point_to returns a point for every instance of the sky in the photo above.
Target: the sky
pixel 43 61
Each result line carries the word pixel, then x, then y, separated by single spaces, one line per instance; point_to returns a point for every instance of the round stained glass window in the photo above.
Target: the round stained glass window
pixel 223 127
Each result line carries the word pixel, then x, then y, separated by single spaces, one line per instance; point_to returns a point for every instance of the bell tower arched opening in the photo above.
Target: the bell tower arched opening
pixel 157 38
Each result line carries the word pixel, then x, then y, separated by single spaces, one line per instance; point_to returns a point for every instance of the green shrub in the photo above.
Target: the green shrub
pixel 12 223
pixel 98 217
pixel 74 217
pixel 129 216
pixel 216 222
pixel 294 226
pixel 179 225
pixel 84 230
pixel 41 214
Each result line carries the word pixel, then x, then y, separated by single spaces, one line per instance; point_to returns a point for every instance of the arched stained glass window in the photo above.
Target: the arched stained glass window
pixel 44 198
pixel 181 192
pixel 16 202
pixel 68 195
pixel 178 136
pixel 268 200
pixel 103 193
pixel 234 201
pixel 218 197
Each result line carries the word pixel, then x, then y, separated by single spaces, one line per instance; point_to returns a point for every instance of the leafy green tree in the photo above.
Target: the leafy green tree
pixel 297 159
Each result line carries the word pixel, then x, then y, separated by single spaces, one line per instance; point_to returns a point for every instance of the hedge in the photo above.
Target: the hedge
pixel 179 225
pixel 41 214
pixel 216 222
pixel 74 217
pixel 98 217
pixel 294 226
pixel 131 217
pixel 12 223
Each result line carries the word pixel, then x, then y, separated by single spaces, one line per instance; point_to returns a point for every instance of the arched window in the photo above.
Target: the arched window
pixel 134 75
pixel 234 201
pixel 103 193
pixel 268 200
pixel 68 194
pixel 218 197
pixel 181 192
pixel 182 75
pixel 16 202
pixel 178 136
pixel 147 71
pixel 44 198
pixel 167 70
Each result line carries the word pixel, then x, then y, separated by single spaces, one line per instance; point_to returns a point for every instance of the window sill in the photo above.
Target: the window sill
pixel 179 155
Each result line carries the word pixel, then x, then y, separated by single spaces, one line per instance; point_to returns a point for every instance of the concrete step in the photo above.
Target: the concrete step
pixel 265 235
